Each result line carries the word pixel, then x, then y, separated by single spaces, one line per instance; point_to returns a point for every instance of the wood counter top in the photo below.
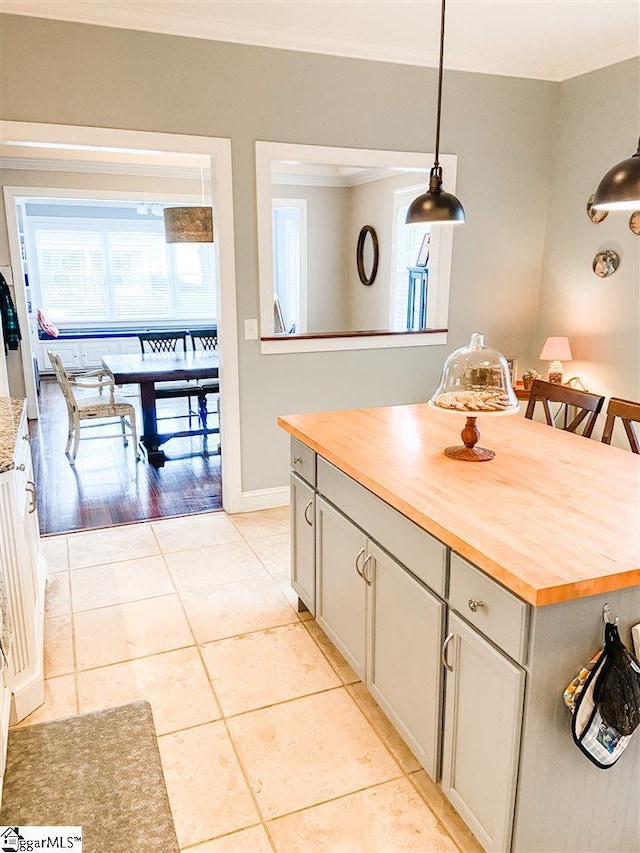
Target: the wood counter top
pixel 553 517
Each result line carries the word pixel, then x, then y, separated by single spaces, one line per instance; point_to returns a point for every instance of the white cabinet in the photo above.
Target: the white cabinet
pixel 483 713
pixel 303 550
pixel 67 351
pixel 83 353
pixel 341 588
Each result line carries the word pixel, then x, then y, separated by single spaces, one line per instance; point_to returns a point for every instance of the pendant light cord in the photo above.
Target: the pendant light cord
pixel 439 107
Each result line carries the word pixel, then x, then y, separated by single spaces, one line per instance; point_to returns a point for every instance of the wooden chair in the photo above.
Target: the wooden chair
pixel 207 340
pixel 628 413
pixel 168 342
pixel 589 405
pixel 97 407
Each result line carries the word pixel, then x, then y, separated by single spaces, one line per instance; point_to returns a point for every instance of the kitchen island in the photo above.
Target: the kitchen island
pixel 467 596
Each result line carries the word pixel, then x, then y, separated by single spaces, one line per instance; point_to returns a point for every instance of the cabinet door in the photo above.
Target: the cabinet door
pixel 91 351
pixel 67 350
pixel 303 559
pixel 405 672
pixel 483 712
pixel 341 592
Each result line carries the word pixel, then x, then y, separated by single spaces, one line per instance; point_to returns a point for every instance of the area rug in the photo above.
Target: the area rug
pixel 100 771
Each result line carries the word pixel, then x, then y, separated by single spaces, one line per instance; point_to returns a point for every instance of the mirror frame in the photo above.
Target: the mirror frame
pixel 441 248
pixel 365 279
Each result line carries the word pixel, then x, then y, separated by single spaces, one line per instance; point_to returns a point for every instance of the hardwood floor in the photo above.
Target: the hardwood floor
pixel 107 486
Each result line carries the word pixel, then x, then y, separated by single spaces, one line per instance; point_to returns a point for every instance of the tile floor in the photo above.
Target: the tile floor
pixel 268 739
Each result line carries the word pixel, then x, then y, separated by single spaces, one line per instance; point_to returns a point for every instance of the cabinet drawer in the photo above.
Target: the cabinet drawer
pixel 412 546
pixel 500 616
pixel 303 461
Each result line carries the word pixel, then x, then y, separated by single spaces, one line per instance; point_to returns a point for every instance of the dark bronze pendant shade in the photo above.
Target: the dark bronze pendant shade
pixel 620 187
pixel 188 224
pixel 435 205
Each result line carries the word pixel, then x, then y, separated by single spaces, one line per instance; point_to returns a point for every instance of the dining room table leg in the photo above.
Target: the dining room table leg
pixel 150 440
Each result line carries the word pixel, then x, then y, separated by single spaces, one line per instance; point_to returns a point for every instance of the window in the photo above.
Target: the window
pixel 104 266
pixel 407 241
pixel 290 264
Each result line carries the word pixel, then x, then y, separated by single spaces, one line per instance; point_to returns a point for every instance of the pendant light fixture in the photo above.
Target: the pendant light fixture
pixel 435 205
pixel 189 224
pixel 620 187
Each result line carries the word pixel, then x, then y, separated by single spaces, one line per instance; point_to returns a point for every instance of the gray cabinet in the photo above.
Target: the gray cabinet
pixel 483 714
pixel 405 673
pixel 341 584
pixel 303 549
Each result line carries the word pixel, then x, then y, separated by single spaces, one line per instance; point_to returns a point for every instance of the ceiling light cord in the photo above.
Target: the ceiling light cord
pixel 436 162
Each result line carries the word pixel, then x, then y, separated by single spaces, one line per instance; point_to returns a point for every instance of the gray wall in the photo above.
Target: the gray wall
pixel 501 129
pixel 599 117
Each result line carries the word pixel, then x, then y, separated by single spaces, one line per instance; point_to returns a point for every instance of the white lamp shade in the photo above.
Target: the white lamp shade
pixel 556 349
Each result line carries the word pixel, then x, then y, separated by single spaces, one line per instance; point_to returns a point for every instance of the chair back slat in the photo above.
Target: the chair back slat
pixel 205 339
pixel 162 341
pixel 629 413
pixel 589 405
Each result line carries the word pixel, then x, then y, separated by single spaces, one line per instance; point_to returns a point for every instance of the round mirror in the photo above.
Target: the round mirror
pixel 367 254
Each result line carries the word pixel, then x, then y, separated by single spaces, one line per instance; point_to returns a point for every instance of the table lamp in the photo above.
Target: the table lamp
pixel 556 350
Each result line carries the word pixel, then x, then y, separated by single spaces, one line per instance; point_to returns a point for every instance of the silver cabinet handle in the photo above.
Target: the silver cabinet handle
pixel 297 460
pixel 26 437
pixel 306 509
pixel 473 604
pixel 358 569
pixel 444 652
pixel 31 488
pixel 364 569
pixel 20 467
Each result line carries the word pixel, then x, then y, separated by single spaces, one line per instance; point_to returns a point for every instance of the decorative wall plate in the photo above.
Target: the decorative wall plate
pixel 634 222
pixel 595 215
pixel 605 263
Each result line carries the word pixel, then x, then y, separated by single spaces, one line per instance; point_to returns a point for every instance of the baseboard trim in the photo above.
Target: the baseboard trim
pixel 262 499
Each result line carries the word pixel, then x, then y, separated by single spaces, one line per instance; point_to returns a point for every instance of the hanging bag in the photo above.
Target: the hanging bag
pixel 606 691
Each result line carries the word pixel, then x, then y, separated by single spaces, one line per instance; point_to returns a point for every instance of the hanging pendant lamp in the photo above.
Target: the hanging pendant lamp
pixel 189 224
pixel 435 205
pixel 620 187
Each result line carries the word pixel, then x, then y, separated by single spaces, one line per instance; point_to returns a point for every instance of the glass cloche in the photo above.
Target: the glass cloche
pixel 475 380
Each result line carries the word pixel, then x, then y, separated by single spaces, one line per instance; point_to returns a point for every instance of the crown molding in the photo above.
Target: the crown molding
pixel 28 164
pixel 364 177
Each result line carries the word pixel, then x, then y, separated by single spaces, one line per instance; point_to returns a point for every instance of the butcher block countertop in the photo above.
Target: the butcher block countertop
pixel 553 517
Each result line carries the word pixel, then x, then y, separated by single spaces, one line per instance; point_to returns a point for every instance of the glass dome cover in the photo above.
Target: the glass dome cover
pixel 475 379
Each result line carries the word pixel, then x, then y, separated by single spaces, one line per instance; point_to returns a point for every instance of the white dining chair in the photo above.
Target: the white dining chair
pixel 96 408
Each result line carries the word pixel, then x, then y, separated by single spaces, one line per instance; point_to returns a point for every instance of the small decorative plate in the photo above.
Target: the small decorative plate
pixel 634 222
pixel 605 263
pixel 595 215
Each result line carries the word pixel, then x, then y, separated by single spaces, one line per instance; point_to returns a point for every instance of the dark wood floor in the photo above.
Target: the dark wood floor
pixel 106 486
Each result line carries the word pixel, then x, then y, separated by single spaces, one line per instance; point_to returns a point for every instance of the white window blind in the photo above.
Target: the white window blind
pixel 407 240
pixel 97 273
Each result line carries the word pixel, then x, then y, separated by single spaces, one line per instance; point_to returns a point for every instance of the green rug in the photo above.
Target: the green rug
pixel 100 771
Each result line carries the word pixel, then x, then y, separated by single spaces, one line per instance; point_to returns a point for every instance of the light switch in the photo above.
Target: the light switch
pixel 251 330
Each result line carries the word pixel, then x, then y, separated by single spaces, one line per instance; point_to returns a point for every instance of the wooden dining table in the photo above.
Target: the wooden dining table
pixel 145 369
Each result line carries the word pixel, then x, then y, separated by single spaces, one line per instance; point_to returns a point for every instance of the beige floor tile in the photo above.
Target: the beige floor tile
pixel 57 599
pixel 213 564
pixel 383 728
pixel 342 668
pixel 252 840
pixel 125 631
pixel 196 531
pixel 265 522
pixel 283 579
pixel 236 608
pixel 270 666
pixel 390 817
pixel 58 646
pixel 446 814
pixel 312 749
pixel 59 701
pixel 118 583
pixel 207 791
pixel 174 683
pixel 111 545
pixel 274 552
pixel 56 553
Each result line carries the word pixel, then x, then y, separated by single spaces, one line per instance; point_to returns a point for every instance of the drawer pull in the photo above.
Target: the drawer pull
pixel 444 652
pixel 26 437
pixel 306 517
pixel 473 604
pixel 364 569
pixel 358 569
pixel 297 460
pixel 20 467
pixel 31 488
